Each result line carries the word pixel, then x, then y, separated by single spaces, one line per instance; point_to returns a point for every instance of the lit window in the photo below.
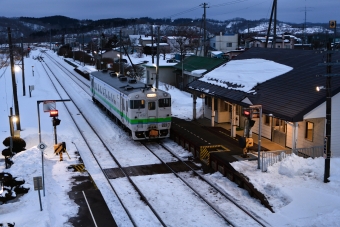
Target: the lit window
pixel 309 131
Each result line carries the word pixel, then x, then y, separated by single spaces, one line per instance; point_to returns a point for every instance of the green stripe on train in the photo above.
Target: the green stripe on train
pixel 132 121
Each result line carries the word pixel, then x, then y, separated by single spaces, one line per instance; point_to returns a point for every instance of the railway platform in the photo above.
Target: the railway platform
pixel 93 210
pixel 197 134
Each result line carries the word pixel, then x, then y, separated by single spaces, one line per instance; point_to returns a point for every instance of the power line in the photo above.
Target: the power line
pixel 240 9
pixel 186 11
pixel 229 3
pixel 197 7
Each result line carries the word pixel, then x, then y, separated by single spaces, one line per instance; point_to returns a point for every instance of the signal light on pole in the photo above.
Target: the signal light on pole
pixel 54 113
pixel 332 24
pixel 55 121
pixel 246 113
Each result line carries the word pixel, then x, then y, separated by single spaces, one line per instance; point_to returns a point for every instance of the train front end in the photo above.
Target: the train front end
pixel 150 114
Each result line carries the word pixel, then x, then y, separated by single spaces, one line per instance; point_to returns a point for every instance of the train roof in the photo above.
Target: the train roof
pixel 124 84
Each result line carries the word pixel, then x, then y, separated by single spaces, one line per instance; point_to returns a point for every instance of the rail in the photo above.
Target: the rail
pixel 269 158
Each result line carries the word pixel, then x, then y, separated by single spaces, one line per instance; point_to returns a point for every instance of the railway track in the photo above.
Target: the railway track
pixel 190 175
pixel 92 145
pixel 157 215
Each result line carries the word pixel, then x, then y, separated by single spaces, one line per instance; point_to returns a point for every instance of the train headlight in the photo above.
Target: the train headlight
pixel 152 95
pixel 165 94
pixel 137 96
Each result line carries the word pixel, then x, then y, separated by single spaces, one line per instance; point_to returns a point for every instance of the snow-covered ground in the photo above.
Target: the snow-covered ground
pixel 294 186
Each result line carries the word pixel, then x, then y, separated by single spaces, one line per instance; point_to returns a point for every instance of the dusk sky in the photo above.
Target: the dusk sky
pixel 287 10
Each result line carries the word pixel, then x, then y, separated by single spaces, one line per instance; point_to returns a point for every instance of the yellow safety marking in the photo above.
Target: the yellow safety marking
pixel 58 148
pixel 206 150
pixel 79 167
pixel 95 186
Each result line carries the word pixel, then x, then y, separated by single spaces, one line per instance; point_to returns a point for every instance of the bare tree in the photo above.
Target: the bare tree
pixel 185 39
pixel 164 50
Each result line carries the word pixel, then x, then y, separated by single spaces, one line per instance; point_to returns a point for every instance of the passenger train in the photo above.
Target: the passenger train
pixel 142 109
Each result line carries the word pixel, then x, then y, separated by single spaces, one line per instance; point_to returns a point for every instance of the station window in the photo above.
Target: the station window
pixel 208 101
pixel 309 131
pixel 137 104
pixel 164 102
pixel 224 106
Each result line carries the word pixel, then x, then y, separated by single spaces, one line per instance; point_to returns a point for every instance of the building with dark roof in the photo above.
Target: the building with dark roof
pixel 294 113
pixel 194 67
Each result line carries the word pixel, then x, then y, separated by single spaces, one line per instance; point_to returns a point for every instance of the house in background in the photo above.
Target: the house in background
pixel 282 41
pixel 283 82
pixel 225 42
pixel 165 71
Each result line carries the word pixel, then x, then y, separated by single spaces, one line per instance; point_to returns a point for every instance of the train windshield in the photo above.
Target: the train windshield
pixel 164 102
pixel 137 104
pixel 151 106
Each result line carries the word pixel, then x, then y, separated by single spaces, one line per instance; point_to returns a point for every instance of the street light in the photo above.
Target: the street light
pixel 318 88
pixel 12 119
pixel 14 85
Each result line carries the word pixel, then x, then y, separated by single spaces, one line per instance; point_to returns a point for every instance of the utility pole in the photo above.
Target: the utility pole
pixel 204 29
pixel 152 45
pixel 23 67
pixel 327 141
pixel 120 51
pixel 83 51
pixel 157 69
pixel 14 85
pixel 328 116
pixel 50 39
pixel 274 11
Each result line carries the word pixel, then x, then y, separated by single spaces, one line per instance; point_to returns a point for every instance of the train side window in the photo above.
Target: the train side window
pixel 137 104
pixel 151 105
pixel 164 102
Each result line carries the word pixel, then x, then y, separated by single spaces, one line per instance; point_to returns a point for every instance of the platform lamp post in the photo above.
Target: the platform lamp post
pixel 327 141
pixel 14 85
pixel 12 120
pixel 258 108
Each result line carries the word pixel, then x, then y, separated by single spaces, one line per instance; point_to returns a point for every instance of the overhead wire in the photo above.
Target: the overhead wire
pixel 242 8
pixel 186 11
pixel 218 6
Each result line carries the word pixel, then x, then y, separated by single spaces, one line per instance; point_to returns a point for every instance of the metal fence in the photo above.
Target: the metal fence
pixel 268 158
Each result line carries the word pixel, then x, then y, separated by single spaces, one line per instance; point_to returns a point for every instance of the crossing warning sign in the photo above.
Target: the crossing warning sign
pixel 49 105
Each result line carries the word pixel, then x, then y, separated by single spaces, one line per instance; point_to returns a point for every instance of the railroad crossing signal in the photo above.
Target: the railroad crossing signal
pixel 53 113
pixel 55 121
pixel 332 24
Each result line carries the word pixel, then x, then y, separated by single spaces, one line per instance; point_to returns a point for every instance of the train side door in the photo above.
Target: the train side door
pixel 121 108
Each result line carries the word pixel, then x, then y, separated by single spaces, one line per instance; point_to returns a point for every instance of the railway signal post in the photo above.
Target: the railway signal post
pixel 55 123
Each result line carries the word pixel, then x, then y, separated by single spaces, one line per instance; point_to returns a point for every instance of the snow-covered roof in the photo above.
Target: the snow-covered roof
pixel 243 75
pixel 216 52
pixel 198 72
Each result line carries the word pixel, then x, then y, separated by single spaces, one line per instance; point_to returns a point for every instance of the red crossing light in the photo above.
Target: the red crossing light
pixel 54 113
pixel 246 112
